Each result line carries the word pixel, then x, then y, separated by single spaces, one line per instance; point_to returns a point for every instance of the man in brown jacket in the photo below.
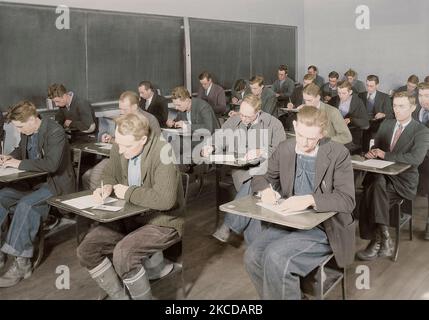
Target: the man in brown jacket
pixel 136 173
pixel 309 171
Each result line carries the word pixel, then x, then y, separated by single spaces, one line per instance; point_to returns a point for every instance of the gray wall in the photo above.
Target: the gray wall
pixel 284 12
pixel 395 47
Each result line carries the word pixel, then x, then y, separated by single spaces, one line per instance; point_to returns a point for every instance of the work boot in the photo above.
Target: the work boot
pixel 222 233
pixel 105 276
pixel 426 236
pixel 371 251
pixel 386 249
pixel 139 286
pixel 20 269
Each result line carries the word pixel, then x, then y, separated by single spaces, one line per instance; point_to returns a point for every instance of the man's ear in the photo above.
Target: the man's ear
pixel 144 140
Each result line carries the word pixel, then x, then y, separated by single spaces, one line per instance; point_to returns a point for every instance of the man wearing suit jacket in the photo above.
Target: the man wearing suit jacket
pixel 283 86
pixel 421 114
pixel 211 92
pixel 43 148
pixel 402 140
pixel 268 97
pixel 319 81
pixel 153 103
pixel 379 107
pixel 353 111
pixel 309 171
pixel 357 85
pixel 411 86
pixel 330 89
pixel 74 114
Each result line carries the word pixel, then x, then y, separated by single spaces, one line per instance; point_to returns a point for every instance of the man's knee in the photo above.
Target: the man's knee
pixel 252 258
pixel 121 254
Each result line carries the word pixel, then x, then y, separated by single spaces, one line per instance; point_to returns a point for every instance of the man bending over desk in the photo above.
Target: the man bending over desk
pixel 401 140
pixel 43 148
pixel 136 173
pixel 309 171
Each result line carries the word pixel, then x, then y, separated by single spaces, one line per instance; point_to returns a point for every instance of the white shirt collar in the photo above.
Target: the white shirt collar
pixel 403 125
pixel 208 90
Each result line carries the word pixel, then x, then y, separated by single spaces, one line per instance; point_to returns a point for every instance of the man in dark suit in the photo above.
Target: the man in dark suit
pixel 354 113
pixel 283 86
pixel 267 95
pixel 211 92
pixel 402 140
pixel 74 114
pixel 379 107
pixel 43 148
pixel 421 114
pixel 357 85
pixel 330 89
pixel 309 171
pixel 319 81
pixel 153 103
pixel 411 86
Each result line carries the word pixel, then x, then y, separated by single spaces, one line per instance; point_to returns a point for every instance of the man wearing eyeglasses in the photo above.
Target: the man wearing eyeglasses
pixel 403 140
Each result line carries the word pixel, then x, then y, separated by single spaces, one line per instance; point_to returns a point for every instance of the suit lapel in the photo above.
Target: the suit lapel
pixel 289 165
pixel 322 162
pixel 406 136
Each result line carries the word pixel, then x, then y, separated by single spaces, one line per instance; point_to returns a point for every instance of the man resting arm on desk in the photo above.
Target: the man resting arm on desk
pixel 309 171
pixel 135 172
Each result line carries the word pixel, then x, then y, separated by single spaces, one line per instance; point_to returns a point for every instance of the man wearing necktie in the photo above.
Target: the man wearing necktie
pixel 422 115
pixel 211 92
pixel 403 140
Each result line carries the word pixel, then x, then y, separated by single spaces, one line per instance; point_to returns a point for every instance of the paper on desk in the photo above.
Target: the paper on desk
pixel 9 171
pixel 86 202
pixel 107 208
pixel 275 208
pixel 108 147
pixel 104 145
pixel 373 163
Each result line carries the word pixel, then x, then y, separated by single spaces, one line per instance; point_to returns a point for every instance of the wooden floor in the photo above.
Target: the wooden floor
pixel 215 271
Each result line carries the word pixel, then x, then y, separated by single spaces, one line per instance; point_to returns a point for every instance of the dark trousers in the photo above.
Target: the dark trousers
pixel 126 250
pixel 378 197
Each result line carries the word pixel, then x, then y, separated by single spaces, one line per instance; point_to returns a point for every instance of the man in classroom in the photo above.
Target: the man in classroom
pixel 330 89
pixel 283 86
pixel 357 85
pixel 319 81
pixel 403 140
pixel 267 96
pixel 152 102
pixel 311 171
pixel 115 254
pixel 211 92
pixel 378 106
pixel 43 148
pixel 74 114
pixel 128 104
pixel 411 86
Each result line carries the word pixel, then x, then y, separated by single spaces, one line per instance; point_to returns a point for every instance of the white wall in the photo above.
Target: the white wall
pixel 284 12
pixel 395 47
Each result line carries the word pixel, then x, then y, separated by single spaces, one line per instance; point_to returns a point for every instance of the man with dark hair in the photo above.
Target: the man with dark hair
pixel 283 86
pixel 74 114
pixel 153 103
pixel 267 95
pixel 357 85
pixel 402 140
pixel 211 92
pixel 411 86
pixel 43 148
pixel 329 89
pixel 319 81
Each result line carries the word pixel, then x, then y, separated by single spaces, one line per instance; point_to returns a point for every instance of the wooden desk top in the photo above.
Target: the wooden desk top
pixel 21 176
pixel 391 170
pixel 98 215
pixel 91 147
pixel 247 207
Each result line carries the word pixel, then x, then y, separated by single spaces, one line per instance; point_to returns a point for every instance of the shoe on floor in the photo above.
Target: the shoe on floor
pixel 222 233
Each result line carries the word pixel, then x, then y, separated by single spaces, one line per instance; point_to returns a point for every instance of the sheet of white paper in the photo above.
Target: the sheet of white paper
pixel 103 144
pixel 275 208
pixel 107 208
pixel 373 163
pixel 86 202
pixel 9 171
pixel 176 131
pixel 108 147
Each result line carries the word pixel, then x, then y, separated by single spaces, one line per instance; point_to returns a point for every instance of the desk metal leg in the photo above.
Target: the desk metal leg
pixel 218 174
pixel 78 169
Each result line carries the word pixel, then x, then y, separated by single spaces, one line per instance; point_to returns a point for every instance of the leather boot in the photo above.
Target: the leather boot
pixel 106 277
pixel 20 269
pixel 386 249
pixel 371 251
pixel 139 286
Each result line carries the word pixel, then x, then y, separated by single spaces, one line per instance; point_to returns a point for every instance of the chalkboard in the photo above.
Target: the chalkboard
pixel 124 49
pixel 222 48
pixel 273 45
pixel 34 53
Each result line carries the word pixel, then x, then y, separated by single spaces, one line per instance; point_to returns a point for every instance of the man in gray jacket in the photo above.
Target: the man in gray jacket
pixel 268 97
pixel 283 86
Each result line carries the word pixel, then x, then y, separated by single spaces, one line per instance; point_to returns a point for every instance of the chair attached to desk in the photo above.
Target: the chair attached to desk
pixel 400 214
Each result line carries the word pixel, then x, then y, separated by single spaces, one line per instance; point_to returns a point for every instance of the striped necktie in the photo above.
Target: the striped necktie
pixel 396 137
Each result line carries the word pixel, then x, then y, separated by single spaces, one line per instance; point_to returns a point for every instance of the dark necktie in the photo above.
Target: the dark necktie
pixel 425 117
pixel 370 104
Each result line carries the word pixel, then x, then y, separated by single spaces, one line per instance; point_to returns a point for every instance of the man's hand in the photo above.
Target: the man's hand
pixel 289 106
pixel 375 153
pixel 99 196
pixel 206 151
pixel 4 158
pixel 67 123
pixel 277 95
pixel 380 115
pixel 120 190
pixel 347 120
pixel 327 98
pixel 297 203
pixel 232 113
pixel 170 123
pixel 179 124
pixel 253 154
pixel 235 100
pixel 11 163
pixel 106 138
pixel 269 196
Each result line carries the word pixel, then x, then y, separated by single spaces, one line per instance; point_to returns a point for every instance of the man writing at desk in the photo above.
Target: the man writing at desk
pixel 401 140
pixel 136 173
pixel 43 148
pixel 309 171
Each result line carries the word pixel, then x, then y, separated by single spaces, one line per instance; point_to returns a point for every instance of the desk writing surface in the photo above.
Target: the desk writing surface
pixel 128 209
pixel 391 170
pixel 21 176
pixel 248 207
pixel 92 147
pixel 232 161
